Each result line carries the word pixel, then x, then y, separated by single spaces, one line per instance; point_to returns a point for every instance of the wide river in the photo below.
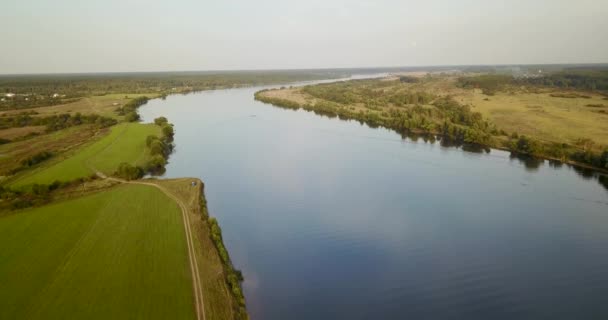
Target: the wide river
pixel 331 219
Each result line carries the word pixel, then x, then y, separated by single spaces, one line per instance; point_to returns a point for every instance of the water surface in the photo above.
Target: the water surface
pixel 330 219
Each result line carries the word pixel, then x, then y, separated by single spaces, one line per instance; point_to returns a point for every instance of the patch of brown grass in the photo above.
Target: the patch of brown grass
pixel 15 133
pixel 58 142
pixel 101 105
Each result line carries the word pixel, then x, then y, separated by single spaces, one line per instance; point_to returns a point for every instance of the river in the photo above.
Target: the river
pixel 331 219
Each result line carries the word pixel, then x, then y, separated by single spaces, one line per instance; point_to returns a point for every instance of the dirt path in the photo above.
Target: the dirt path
pixel 196 281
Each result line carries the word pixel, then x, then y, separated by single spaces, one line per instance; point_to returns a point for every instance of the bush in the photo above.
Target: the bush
pixel 132 116
pixel 35 159
pixel 167 130
pixel 160 121
pixel 129 172
pixel 156 165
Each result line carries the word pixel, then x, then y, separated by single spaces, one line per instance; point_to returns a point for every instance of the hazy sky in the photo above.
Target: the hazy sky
pixel 136 35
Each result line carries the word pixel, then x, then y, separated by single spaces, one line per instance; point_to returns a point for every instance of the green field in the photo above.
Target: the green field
pixel 125 143
pixel 119 254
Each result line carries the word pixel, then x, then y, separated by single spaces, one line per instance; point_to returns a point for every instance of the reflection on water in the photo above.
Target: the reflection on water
pixel 331 219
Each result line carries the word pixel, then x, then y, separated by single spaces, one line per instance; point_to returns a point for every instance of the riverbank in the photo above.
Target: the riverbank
pixel 77 170
pixel 222 296
pixel 313 209
pixel 408 109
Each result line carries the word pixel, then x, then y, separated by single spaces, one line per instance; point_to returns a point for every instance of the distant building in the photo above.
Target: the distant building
pixel 56 95
pixel 10 95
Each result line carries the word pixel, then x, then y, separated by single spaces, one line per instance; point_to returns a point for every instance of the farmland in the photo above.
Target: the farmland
pixel 114 254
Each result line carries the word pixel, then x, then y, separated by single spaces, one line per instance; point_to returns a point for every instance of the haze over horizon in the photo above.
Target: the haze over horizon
pixel 126 36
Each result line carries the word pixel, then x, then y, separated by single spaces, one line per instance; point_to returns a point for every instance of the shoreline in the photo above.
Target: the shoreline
pixel 294 105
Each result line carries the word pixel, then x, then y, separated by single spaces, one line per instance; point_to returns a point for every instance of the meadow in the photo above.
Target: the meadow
pixel 126 142
pixel 118 254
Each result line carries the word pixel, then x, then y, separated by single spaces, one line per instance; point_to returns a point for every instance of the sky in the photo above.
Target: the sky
pixel 66 36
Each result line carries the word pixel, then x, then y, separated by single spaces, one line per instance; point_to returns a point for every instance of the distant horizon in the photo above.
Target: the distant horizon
pixel 211 71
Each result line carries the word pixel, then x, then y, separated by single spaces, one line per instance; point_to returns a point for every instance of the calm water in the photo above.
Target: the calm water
pixel 330 219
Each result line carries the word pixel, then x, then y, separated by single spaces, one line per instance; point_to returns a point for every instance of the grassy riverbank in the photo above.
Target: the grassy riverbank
pixel 526 120
pixel 125 142
pixel 56 159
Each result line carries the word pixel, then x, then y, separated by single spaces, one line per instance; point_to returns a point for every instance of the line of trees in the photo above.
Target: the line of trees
pixel 129 110
pixel 54 122
pixel 41 90
pixel 234 277
pixel 159 149
pixel 36 194
pixel 455 123
pixel 580 79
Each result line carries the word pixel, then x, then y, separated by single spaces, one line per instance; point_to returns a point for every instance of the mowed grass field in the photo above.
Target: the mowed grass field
pixel 119 254
pixel 125 143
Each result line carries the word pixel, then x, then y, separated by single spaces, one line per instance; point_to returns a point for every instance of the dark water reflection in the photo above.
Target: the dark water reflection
pixel 331 219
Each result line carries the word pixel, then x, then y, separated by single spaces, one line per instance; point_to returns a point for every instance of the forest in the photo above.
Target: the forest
pixel 29 91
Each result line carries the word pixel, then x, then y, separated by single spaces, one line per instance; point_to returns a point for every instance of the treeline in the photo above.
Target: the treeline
pixel 488 83
pixel 442 116
pixel 32 161
pixel 129 110
pixel 41 88
pixel 159 149
pixel 586 80
pixel 370 93
pixel 234 277
pixel 54 122
pixel 584 152
pixel 453 122
pixel 36 194
pixel 31 101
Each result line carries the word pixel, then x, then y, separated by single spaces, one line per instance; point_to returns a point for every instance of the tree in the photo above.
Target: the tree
pixel 168 131
pixel 157 147
pixel 156 164
pixel 161 121
pixel 132 116
pixel 129 172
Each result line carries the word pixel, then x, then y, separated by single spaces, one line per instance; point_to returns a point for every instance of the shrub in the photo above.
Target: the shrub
pixel 160 121
pixel 132 116
pixel 129 172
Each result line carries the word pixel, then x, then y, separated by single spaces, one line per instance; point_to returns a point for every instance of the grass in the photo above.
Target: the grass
pixel 18 132
pixel 215 290
pixel 125 143
pixel 545 114
pixel 102 105
pixel 119 254
pixel 57 142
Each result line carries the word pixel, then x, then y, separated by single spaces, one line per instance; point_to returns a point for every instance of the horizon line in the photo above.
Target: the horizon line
pixel 303 69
